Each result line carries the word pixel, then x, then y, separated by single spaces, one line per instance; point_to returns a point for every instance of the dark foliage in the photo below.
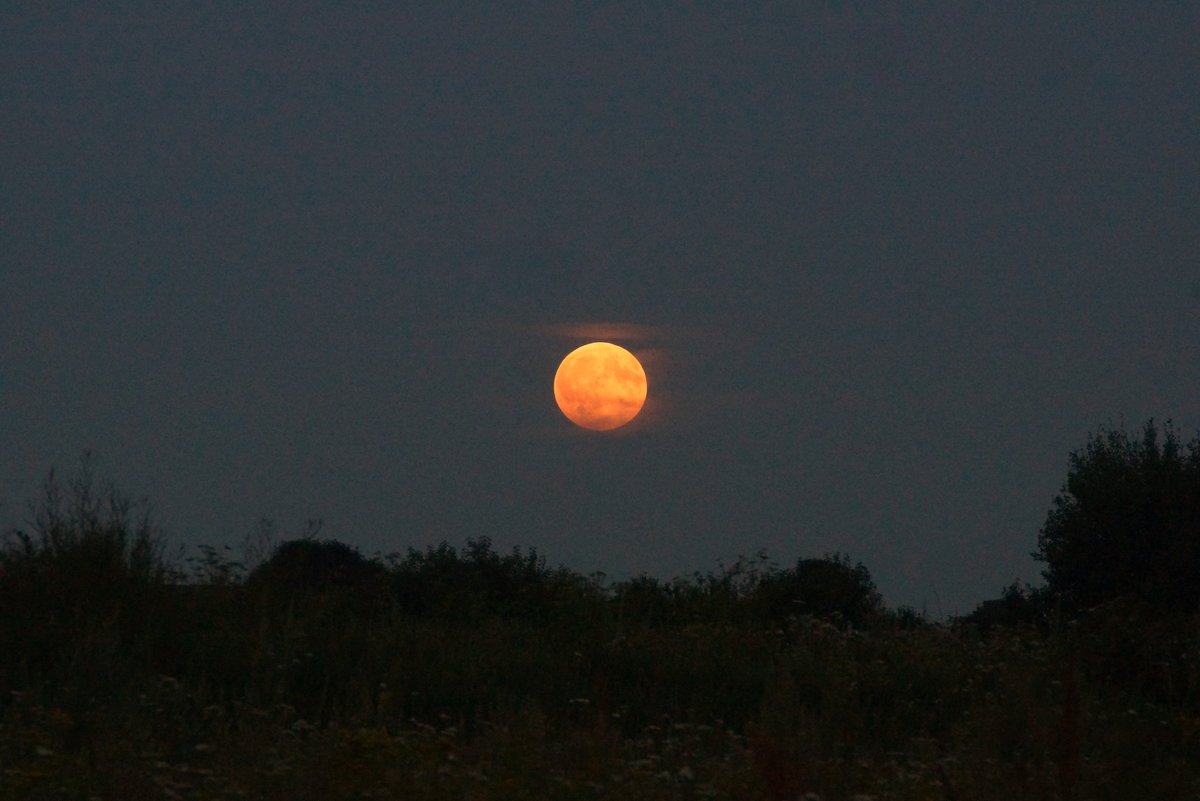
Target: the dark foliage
pixel 89 572
pixel 1017 606
pixel 109 662
pixel 309 565
pixel 833 588
pixel 322 572
pixel 478 582
pixel 646 600
pixel 1127 523
pixel 1130 644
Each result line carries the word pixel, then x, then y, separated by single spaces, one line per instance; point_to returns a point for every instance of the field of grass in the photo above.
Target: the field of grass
pixel 448 675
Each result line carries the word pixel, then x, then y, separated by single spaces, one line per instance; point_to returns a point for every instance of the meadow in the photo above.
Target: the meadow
pixel 468 674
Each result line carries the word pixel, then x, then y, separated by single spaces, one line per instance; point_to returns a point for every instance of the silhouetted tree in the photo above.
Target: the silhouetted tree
pixel 833 588
pixel 1127 523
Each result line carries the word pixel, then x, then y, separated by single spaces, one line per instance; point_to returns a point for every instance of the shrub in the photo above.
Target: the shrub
pixel 308 571
pixel 90 574
pixel 479 582
pixel 1016 606
pixel 832 588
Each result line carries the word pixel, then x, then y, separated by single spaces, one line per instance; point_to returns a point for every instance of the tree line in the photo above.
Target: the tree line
pixel 1121 540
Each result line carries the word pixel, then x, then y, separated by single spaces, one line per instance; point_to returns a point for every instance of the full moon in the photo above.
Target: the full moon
pixel 600 386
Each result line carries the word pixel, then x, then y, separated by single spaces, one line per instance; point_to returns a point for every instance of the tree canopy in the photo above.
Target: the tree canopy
pixel 1127 522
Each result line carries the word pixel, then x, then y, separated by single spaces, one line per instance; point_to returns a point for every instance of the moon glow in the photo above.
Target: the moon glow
pixel 600 386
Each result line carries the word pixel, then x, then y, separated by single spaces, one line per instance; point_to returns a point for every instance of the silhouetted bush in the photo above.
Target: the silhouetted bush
pixel 479 582
pixel 712 597
pixel 307 565
pixel 907 618
pixel 832 588
pixel 644 600
pixel 303 570
pixel 1017 606
pixel 88 578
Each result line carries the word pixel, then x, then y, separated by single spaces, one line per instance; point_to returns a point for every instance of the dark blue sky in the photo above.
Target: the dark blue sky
pixel 885 269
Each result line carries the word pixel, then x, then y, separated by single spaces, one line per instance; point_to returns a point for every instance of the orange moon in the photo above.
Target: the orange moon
pixel 600 386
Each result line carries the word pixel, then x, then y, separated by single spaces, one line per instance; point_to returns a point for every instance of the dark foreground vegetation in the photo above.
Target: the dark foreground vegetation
pixel 468 674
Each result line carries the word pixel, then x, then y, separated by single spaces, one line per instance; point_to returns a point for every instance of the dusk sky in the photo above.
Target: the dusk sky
pixel 885 265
